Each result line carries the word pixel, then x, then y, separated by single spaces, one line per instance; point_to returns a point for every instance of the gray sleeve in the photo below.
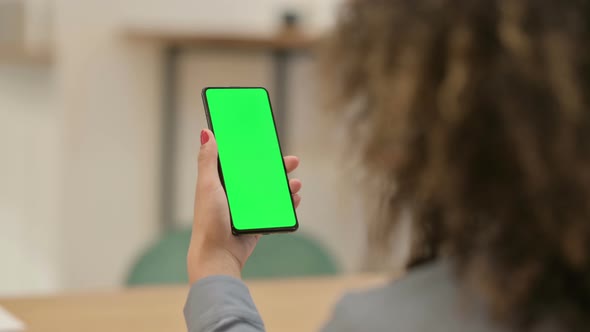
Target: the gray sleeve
pixel 342 319
pixel 221 304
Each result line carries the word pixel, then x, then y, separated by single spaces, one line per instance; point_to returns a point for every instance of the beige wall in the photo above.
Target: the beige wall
pixel 29 179
pixel 109 93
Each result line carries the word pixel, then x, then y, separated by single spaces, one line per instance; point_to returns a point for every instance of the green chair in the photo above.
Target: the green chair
pixel 164 262
pixel 289 255
pixel 276 256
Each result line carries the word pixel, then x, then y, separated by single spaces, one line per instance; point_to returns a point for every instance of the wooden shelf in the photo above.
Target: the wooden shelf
pixel 291 41
pixel 19 55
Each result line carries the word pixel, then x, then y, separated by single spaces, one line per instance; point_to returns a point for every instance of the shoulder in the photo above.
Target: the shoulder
pixel 426 299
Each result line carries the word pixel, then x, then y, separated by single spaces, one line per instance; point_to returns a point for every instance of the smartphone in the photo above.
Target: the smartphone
pixel 251 166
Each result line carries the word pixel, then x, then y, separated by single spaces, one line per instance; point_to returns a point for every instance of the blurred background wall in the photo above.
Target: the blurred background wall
pixel 81 134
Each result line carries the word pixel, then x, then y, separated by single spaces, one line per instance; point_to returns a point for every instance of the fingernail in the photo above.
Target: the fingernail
pixel 204 137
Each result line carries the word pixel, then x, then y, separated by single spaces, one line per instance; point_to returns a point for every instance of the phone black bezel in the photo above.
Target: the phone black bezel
pixel 236 231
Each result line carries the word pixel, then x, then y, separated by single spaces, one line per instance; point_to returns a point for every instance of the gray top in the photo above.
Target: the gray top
pixel 427 299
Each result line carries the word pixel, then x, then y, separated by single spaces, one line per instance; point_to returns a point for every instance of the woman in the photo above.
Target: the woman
pixel 475 114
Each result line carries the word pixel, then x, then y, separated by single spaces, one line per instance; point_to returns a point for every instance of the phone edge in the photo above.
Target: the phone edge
pixel 236 231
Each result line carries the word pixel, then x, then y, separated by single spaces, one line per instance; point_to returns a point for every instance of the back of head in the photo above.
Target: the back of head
pixel 474 116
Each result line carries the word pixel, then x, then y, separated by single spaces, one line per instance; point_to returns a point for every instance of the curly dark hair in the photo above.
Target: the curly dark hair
pixel 475 119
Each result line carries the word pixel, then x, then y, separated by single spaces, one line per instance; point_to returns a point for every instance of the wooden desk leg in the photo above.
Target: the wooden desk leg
pixel 168 137
pixel 281 58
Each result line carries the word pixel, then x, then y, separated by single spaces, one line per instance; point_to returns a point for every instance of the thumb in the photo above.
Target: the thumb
pixel 207 168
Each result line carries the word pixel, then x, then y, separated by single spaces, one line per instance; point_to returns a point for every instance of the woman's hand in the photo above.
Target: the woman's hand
pixel 214 249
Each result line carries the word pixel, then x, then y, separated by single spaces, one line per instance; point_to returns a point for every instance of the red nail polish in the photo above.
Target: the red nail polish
pixel 204 137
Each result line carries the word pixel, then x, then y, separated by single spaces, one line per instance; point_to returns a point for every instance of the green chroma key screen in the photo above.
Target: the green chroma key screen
pixel 252 166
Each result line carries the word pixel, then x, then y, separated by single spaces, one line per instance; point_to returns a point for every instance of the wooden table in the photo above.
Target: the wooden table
pixel 285 305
